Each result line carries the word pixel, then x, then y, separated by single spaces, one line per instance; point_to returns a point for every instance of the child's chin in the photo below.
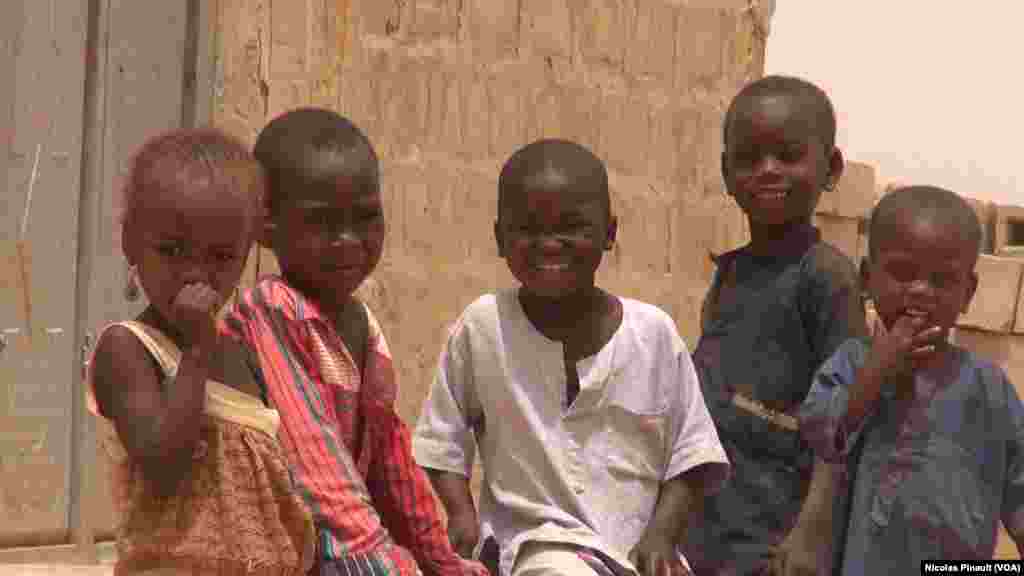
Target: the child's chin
pixel 549 291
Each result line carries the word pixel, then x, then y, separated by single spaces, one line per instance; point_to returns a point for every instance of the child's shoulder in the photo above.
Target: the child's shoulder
pixel 273 293
pixel 646 314
pixel 486 311
pixel 119 360
pixel 653 327
pixel 981 367
pixel 824 259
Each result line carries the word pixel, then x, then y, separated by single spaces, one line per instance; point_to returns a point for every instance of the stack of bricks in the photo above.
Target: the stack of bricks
pixel 448 89
pixel 842 213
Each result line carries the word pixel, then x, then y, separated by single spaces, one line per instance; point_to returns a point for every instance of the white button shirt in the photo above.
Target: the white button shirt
pixel 589 474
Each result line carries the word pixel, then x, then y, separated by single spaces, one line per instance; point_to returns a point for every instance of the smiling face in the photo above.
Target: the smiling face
pixel 922 269
pixel 329 234
pixel 553 234
pixel 776 163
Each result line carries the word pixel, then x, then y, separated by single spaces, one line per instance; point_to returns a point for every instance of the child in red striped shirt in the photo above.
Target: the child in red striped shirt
pixel 324 360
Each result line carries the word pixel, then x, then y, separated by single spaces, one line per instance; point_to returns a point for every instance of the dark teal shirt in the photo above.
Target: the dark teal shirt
pixel 787 314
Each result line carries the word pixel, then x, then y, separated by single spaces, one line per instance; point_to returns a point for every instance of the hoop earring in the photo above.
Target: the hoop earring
pixel 131 287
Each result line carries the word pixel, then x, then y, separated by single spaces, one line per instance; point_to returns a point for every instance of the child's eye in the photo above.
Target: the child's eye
pixel 902 272
pixel 369 215
pixel 573 226
pixel 224 257
pixel 944 280
pixel 317 218
pixel 744 158
pixel 171 250
pixel 791 154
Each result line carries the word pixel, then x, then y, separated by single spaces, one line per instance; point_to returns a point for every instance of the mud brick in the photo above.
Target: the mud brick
pixel 425 207
pixel 544 113
pixel 475 208
pixel 700 41
pixel 843 233
pixel 434 19
pixel 1009 232
pixel 546 27
pixel 651 51
pixel 1018 325
pixel 645 232
pixel 986 213
pixel 663 153
pixel 476 118
pixel 491 29
pixel 1006 350
pixel 624 132
pixel 378 17
pixel 409 104
pixel 854 196
pixel 506 113
pixel 995 302
pixel 579 116
pixel 604 25
pixel 444 110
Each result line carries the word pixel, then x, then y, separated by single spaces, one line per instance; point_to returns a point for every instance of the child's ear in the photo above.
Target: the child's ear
pixel 499 239
pixel 972 287
pixel 725 172
pixel 836 164
pixel 865 274
pixel 265 236
pixel 613 229
pixel 128 247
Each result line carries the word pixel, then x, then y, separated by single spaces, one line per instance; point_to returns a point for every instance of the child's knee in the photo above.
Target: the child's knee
pixel 549 559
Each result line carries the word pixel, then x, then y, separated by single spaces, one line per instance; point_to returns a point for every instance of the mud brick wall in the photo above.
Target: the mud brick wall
pixel 448 89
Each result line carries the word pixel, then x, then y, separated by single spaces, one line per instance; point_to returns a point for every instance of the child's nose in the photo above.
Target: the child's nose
pixel 195 273
pixel 920 287
pixel 768 164
pixel 344 237
pixel 549 243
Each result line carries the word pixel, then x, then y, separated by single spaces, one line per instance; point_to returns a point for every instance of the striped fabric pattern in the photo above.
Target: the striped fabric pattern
pixel 349 450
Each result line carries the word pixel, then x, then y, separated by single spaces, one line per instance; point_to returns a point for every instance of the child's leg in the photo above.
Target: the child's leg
pixel 552 559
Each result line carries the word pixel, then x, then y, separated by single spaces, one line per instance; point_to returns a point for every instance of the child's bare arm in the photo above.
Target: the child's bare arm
pixel 453 490
pixel 156 421
pixel 678 499
pixel 1015 528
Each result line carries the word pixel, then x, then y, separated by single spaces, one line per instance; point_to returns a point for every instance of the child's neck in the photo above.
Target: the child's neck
pixel 771 240
pixel 580 320
pixel 331 304
pixel 938 369
pixel 337 308
pixel 151 317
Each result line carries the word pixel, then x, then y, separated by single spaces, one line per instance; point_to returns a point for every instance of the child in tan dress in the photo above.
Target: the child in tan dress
pixel 200 483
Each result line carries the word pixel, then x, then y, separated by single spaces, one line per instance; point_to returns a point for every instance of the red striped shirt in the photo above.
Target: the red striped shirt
pixel 349 450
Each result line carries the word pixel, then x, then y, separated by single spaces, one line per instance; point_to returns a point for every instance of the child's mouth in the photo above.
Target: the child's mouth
pixel 916 313
pixel 771 193
pixel 345 270
pixel 557 267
